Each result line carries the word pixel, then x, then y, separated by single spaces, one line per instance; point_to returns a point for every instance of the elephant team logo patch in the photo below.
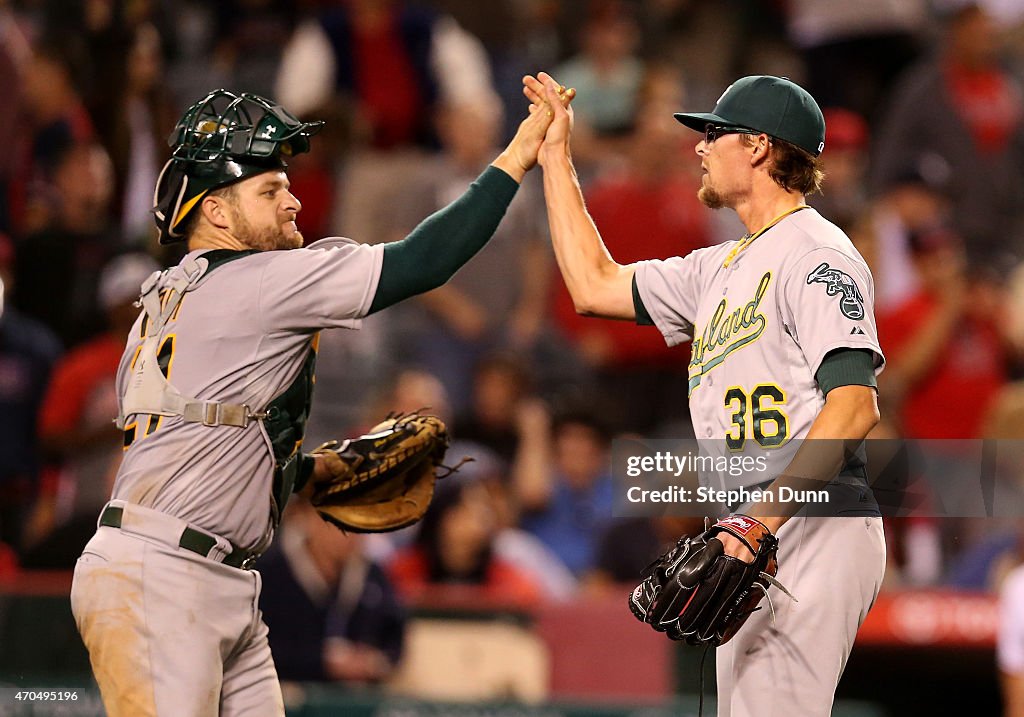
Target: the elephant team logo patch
pixel 839 282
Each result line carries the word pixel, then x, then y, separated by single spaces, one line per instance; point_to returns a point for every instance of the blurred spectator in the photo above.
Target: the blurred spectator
pixel 1015 314
pixel 58 267
pixel 382 58
pixel 501 383
pixel 988 549
pixel 518 37
pixel 28 351
pixel 578 504
pixel 455 547
pixel 914 552
pixel 332 613
pixel 506 418
pixel 76 429
pixel 944 341
pixel 385 63
pixel 192 71
pixel 844 197
pixel 385 56
pixel 607 74
pixel 134 127
pixel 646 208
pixel 98 34
pixel 412 390
pixel 499 301
pixel 57 120
pixel 248 44
pixel 916 202
pixel 962 106
pixel 513 544
pixel 853 51
pixel 14 54
pixel 628 546
pixel 430 56
pixel 1010 643
pixel 607 71
pixel 8 562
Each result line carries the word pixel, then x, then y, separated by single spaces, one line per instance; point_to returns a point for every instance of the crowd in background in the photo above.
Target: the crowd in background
pixel 924 104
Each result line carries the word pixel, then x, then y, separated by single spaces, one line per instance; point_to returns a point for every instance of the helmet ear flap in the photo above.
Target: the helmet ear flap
pixel 171 191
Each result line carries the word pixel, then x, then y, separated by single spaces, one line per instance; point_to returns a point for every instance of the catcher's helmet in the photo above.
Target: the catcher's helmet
pixel 222 139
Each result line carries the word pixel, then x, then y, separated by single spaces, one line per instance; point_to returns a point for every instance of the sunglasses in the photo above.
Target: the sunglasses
pixel 713 132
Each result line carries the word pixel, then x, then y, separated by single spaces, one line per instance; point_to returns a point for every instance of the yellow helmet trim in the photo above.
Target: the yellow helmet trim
pixel 187 207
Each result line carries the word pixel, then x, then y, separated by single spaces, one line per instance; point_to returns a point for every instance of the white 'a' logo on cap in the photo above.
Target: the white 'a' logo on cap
pixel 724 93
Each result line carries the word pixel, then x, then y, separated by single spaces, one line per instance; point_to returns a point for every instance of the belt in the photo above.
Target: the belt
pixel 193 540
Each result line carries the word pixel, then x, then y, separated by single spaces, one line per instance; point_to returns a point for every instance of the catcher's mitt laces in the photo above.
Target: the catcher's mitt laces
pixel 452 469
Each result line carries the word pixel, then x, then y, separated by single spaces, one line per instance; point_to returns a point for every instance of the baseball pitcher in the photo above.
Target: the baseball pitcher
pixel 783 347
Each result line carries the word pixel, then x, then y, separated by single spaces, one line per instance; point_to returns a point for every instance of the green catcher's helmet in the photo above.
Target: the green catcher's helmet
pixel 222 139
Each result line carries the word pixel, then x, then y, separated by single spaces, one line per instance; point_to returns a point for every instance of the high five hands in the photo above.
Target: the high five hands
pixel 546 94
pixel 534 132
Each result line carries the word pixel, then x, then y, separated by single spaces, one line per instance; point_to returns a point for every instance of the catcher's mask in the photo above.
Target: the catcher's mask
pixel 221 139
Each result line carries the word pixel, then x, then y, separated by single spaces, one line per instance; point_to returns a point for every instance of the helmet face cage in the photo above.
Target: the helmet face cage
pixel 245 125
pixel 221 139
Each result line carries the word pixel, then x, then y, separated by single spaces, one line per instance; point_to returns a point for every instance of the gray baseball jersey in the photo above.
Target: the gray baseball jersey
pixel 222 478
pixel 763 313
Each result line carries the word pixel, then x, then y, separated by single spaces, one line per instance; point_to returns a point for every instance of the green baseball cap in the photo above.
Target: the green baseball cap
pixel 776 106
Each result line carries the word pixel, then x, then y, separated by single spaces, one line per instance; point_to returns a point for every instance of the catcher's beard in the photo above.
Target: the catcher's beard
pixel 265 238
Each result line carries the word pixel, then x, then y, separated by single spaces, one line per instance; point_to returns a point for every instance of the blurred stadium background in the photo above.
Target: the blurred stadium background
pixel 509 601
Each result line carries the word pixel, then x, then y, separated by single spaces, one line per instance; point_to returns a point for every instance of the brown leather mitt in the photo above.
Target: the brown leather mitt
pixel 383 480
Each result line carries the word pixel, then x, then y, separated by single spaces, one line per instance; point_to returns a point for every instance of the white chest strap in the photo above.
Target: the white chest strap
pixel 149 391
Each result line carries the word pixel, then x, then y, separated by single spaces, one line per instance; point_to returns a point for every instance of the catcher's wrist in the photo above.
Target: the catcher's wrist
pixel 507 162
pixel 319 471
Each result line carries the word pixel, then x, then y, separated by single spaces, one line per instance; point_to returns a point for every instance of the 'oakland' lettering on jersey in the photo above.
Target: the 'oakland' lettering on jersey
pixel 729 333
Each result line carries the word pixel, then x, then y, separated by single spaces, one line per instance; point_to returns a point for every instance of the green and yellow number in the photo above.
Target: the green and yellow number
pixel 736 401
pixel 164 359
pixel 769 424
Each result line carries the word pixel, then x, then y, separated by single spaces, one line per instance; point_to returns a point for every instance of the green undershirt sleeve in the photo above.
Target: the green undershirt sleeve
pixel 444 241
pixel 642 317
pixel 846 367
pixel 306 465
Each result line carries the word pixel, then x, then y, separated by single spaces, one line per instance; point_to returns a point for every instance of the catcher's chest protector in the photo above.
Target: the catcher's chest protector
pixel 149 392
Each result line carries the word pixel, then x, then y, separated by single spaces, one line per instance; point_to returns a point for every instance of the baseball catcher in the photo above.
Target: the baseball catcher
pixel 383 480
pixel 696 593
pixel 215 388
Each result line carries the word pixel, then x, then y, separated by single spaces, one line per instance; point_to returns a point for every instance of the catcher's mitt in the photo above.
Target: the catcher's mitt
pixel 383 480
pixel 694 592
